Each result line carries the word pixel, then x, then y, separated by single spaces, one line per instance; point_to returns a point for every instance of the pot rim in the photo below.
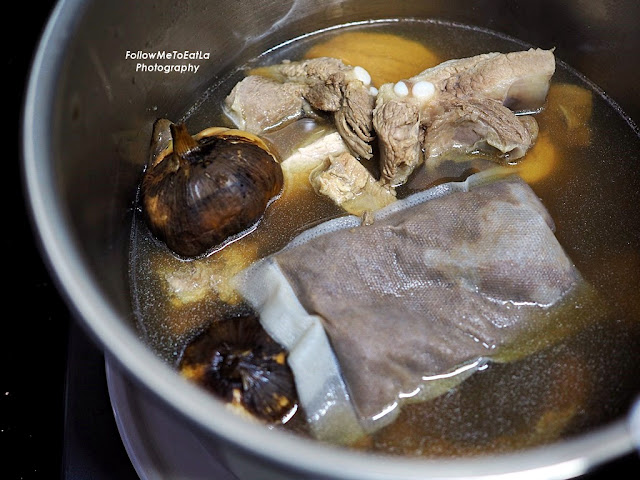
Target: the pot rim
pixel 91 308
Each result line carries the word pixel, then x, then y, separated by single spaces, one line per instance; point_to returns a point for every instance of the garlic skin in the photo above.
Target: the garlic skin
pixel 203 191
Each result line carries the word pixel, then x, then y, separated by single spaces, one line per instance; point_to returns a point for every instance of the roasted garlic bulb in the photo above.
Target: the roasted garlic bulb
pixel 239 362
pixel 201 191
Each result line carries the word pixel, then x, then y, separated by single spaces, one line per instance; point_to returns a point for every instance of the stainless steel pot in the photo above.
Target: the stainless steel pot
pixel 87 121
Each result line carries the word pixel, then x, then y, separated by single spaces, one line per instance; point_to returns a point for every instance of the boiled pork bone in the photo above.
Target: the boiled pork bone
pixel 467 102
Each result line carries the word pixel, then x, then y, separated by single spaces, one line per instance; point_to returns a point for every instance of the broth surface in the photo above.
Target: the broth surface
pixel 591 188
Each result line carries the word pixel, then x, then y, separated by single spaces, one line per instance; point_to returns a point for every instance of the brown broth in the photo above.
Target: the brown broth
pixel 592 192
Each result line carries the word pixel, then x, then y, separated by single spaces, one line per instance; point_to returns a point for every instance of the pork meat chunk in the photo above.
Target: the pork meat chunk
pixel 480 124
pixel 258 104
pixel 293 89
pixel 349 184
pixel 397 124
pixel 520 80
pixel 340 89
pixel 472 86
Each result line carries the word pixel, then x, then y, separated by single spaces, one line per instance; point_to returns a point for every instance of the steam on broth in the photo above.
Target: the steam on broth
pixel 582 167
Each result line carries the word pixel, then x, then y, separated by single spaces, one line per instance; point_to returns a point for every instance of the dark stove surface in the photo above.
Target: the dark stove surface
pixel 92 447
pixel 56 418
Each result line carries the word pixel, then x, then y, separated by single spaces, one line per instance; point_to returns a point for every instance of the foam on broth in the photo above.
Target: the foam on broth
pixel 591 189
